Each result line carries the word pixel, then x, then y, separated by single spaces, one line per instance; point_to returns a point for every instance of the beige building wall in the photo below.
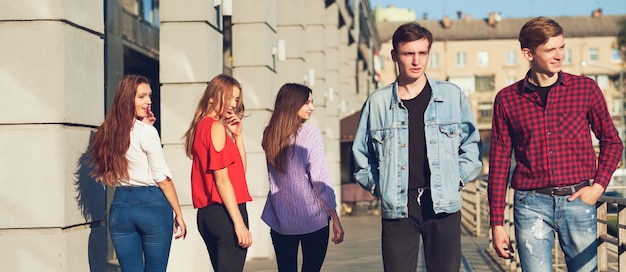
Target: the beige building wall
pixel 52 72
pixel 504 73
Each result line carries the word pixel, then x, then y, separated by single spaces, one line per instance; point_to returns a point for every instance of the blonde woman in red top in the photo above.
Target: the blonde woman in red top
pixel 218 183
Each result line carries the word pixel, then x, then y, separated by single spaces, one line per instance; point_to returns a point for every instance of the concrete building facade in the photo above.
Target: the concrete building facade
pixel 60 65
pixel 392 13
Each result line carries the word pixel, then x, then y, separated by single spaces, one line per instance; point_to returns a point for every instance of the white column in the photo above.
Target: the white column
pixel 254 43
pixel 190 56
pixel 52 71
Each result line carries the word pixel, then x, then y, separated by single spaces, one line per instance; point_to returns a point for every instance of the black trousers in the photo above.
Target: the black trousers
pixel 218 232
pixel 441 234
pixel 314 246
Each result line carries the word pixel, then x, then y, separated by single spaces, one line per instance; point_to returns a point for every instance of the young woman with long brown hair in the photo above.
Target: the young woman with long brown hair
pixel 126 153
pixel 218 181
pixel 301 200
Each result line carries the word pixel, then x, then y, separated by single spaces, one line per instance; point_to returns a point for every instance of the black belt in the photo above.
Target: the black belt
pixel 562 190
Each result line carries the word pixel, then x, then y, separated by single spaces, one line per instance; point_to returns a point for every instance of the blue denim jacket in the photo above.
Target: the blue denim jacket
pixel 452 143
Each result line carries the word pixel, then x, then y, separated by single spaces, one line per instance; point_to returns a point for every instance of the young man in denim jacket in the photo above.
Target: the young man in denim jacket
pixel 416 147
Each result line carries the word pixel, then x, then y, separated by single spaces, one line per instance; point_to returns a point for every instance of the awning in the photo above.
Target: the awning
pixel 348 127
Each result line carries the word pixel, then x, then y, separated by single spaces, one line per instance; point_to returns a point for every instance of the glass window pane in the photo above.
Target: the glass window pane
pixel 485 83
pixel 461 59
pixel 568 56
pixel 616 55
pixel 593 55
pixel 483 59
pixel 511 58
pixel 434 60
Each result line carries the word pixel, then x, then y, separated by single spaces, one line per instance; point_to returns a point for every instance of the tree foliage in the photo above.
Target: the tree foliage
pixel 621 37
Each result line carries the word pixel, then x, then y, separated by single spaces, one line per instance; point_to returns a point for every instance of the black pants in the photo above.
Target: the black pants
pixel 218 232
pixel 441 234
pixel 314 246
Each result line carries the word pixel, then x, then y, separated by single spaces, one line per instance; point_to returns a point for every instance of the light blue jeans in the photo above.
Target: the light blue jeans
pixel 538 217
pixel 141 223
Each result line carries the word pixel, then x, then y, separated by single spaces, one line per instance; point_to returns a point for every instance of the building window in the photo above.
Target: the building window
pixel 466 83
pixel 616 55
pixel 568 56
pixel 150 11
pixel 602 80
pixel 594 55
pixel 485 112
pixel 485 83
pixel 434 60
pixel 461 59
pixel 483 58
pixel 510 80
pixel 511 58
pixel 616 107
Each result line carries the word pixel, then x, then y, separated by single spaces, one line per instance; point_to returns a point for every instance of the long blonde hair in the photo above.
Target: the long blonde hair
pixel 108 147
pixel 217 92
pixel 284 123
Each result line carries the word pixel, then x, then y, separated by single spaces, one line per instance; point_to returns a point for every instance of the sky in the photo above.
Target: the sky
pixel 436 9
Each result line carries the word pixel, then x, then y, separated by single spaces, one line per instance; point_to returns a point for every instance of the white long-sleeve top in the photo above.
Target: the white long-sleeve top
pixel 146 163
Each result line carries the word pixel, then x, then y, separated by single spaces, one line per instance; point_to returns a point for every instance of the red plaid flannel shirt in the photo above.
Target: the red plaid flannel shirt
pixel 552 144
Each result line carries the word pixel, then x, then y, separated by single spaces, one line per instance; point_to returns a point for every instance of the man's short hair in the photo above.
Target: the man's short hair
pixel 411 32
pixel 538 31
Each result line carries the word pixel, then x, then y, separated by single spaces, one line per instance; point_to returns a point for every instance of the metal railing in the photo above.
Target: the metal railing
pixel 475 209
pixel 611 244
pixel 611 220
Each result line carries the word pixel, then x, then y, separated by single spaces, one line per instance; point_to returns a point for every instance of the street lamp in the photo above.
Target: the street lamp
pixel 623 102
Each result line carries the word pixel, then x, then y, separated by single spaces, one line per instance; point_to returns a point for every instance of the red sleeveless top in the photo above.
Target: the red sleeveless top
pixel 206 160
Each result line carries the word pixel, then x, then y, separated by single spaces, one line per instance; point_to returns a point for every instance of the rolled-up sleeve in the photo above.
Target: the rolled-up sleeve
pixel 151 144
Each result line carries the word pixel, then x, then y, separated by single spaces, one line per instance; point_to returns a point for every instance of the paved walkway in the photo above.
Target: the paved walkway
pixel 360 251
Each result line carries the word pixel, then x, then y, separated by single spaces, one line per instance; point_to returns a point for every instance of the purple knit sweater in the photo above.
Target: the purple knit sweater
pixel 299 201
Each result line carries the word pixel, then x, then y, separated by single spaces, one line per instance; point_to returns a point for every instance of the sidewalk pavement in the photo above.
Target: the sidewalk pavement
pixel 360 251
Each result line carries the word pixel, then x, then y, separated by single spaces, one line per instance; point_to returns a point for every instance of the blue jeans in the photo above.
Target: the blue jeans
pixel 141 223
pixel 538 217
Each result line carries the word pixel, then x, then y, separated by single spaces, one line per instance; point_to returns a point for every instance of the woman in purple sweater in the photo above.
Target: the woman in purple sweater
pixel 301 200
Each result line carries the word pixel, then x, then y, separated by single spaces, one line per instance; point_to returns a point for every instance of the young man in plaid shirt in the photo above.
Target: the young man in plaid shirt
pixel 546 120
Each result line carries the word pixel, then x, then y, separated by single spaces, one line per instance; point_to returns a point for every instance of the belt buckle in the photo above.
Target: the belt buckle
pixel 555 189
pixel 559 189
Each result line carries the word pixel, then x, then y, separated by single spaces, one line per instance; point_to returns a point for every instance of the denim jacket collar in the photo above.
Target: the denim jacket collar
pixel 396 101
pixel 380 153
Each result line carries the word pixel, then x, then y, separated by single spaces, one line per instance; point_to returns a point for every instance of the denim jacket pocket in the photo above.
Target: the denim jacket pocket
pixel 382 143
pixel 452 138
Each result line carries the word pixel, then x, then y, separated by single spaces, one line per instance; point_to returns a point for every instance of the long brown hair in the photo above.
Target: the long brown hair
pixel 284 123
pixel 107 151
pixel 219 90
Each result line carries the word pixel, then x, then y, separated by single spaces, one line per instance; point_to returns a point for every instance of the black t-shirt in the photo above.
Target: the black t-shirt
pixel 419 172
pixel 542 91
